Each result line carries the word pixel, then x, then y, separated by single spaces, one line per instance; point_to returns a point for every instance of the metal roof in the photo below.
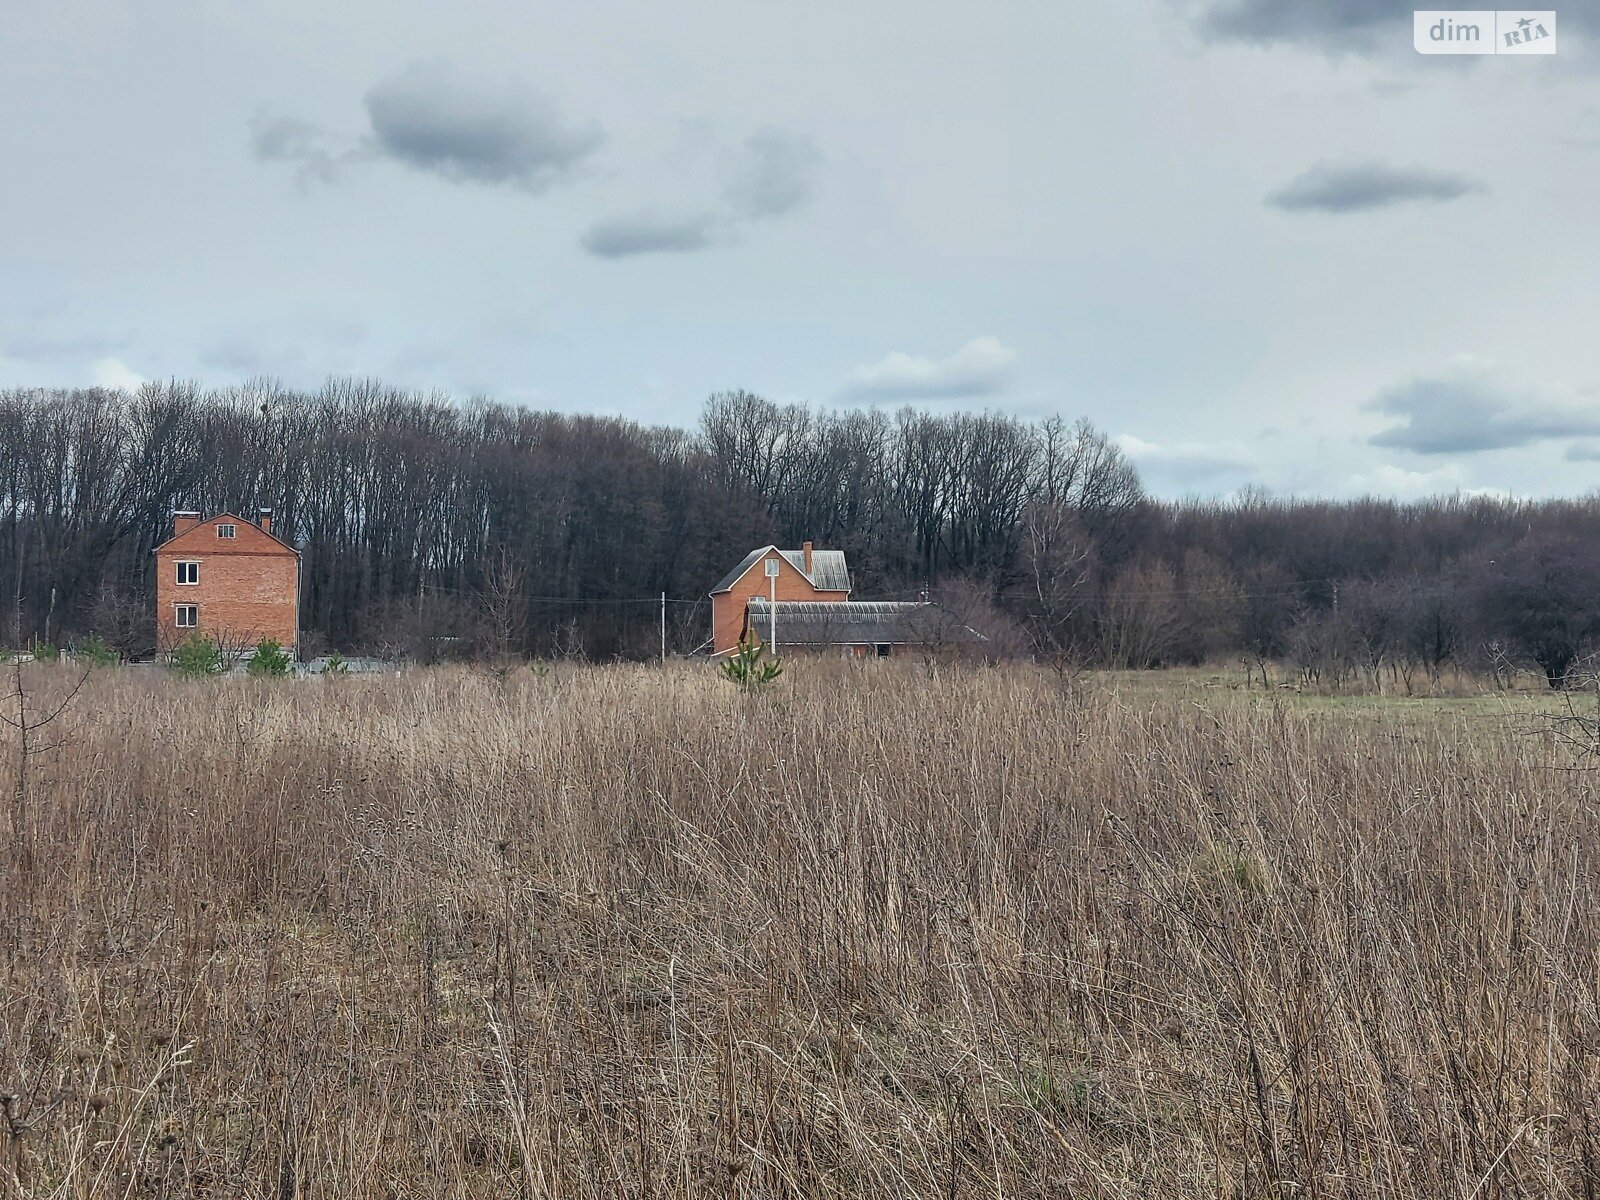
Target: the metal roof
pixel 863 623
pixel 828 573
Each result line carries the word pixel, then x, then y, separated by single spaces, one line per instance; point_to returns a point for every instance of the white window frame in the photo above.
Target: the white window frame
pixel 188 562
pixel 191 608
pixel 227 531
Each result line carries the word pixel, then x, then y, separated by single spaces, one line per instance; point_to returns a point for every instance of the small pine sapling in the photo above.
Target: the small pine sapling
pixel 196 657
pixel 750 668
pixel 270 661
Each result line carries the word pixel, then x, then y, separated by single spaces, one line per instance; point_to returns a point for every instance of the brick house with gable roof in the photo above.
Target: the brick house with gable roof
pixel 226 579
pixel 814 611
pixel 821 576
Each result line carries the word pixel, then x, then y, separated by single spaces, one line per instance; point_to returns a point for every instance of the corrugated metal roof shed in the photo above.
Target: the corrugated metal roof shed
pixel 829 572
pixel 863 623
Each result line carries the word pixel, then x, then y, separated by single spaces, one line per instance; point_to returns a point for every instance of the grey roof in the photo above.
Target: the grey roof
pixel 828 570
pixel 863 623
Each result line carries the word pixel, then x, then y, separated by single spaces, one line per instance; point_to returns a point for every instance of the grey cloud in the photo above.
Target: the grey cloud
pixel 241 357
pixel 646 233
pixel 1344 23
pixel 1583 452
pixel 282 138
pixel 432 117
pixel 773 174
pixel 1332 24
pixel 776 174
pixel 435 118
pixel 291 140
pixel 1339 25
pixel 39 346
pixel 303 349
pixel 1360 186
pixel 1466 414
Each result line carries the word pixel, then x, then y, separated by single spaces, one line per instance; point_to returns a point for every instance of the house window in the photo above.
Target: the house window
pixel 188 616
pixel 225 531
pixel 188 572
pixel 882 650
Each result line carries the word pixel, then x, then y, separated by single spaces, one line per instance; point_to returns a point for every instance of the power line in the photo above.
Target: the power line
pixel 1019 593
pixel 450 591
pixel 1022 593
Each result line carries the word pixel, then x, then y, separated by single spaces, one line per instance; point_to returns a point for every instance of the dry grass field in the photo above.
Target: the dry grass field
pixel 626 932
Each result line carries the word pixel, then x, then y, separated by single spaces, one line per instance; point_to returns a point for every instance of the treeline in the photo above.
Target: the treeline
pixel 433 528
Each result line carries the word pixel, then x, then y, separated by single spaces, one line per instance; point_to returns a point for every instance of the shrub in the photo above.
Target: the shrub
pixel 335 664
pixel 750 668
pixel 96 651
pixel 197 656
pixel 269 661
pixel 45 652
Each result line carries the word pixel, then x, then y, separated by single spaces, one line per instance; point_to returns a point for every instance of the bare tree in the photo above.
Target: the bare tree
pixel 1544 595
pixel 969 623
pixel 1139 620
pixel 505 605
pixel 123 622
pixel 1060 561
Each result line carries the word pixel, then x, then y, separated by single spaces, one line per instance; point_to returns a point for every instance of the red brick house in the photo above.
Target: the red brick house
pixel 226 579
pixel 818 576
pixel 814 611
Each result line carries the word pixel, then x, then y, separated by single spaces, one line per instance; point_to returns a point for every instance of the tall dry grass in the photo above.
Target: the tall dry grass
pixel 625 932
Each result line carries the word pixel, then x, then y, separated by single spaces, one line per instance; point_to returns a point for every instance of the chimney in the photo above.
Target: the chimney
pixel 806 551
pixel 264 519
pixel 183 520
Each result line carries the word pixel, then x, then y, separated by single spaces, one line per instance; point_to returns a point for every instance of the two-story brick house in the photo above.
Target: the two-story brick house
pixel 814 612
pixel 809 574
pixel 226 579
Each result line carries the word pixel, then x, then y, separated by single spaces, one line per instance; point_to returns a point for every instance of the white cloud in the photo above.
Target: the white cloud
pixel 1184 464
pixel 1196 453
pixel 114 373
pixel 980 368
pixel 1386 479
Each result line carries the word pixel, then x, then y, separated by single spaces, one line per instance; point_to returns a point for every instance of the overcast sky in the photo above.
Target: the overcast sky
pixel 1257 241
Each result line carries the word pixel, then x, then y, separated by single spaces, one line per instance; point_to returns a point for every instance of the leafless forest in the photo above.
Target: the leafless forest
pixel 884 931
pixel 432 529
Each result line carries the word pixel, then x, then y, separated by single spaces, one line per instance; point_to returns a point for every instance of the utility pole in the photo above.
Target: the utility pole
pixel 772 588
pixel 663 629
